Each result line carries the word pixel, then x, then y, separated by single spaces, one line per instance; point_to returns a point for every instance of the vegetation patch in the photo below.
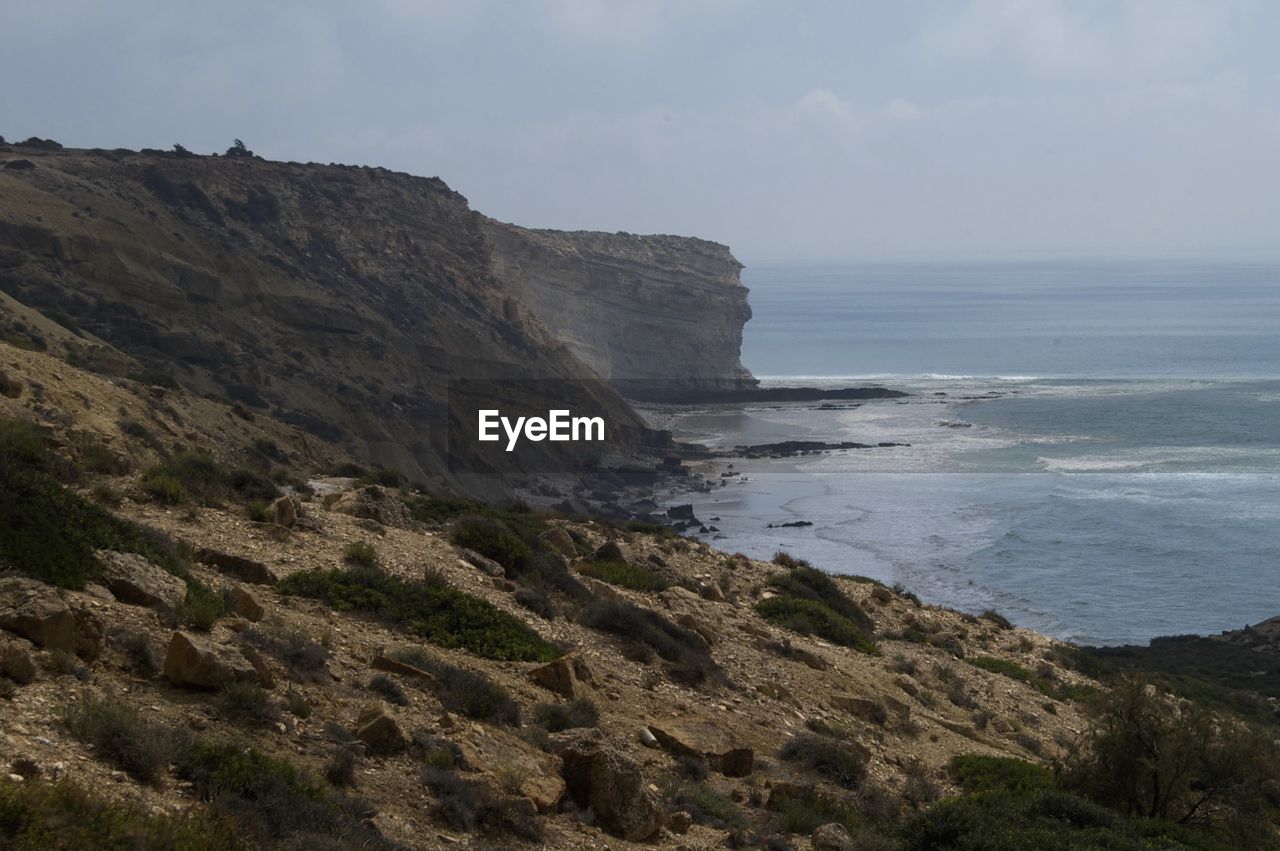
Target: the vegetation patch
pixel 557 717
pixel 198 477
pixel 803 812
pixel 443 616
pixel 706 805
pixel 467 692
pixel 270 800
pixel 685 650
pixel 1043 681
pixel 624 575
pixel 35 816
pixel 807 617
pixel 810 602
pixel 122 736
pixel 980 773
pixel 842 762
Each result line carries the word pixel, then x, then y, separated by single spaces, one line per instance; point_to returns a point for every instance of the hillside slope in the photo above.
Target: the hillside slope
pixel 338 299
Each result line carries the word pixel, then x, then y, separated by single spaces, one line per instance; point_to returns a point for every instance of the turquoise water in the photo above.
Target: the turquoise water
pixel 1095 447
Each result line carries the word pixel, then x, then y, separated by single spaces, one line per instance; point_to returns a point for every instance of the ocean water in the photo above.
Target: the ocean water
pixel 1095 447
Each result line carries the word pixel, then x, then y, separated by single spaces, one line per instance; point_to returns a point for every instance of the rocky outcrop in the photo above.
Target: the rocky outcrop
pixel 134 580
pixel 199 663
pixel 611 784
pixel 34 611
pixel 659 317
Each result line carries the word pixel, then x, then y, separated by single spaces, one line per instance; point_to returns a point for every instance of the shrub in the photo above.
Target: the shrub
pixel 812 618
pixel 50 533
pixel 303 659
pixel 10 387
pixel 624 575
pixel 538 601
pixel 690 661
pixel 808 583
pixel 187 476
pixel 803 811
pixel 996 618
pixel 201 607
pixel 389 689
pixel 97 457
pixel 361 553
pixel 472 694
pixel 703 803
pixel 36 815
pixel 557 717
pixel 1153 757
pixel 468 806
pixel 492 539
pixel 297 704
pixel 270 800
pixel 444 616
pixel 249 703
pixel 120 735
pixel 981 773
pixel 845 763
pixel 340 771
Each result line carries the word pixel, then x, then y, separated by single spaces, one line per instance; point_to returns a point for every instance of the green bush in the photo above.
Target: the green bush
pixel 706 805
pixel 443 616
pixel 304 660
pixel 493 539
pixel 201 607
pixel 35 816
pixel 980 773
pixel 812 618
pixel 123 737
pixel 196 476
pixel 472 693
pixel 808 583
pixel 845 763
pixel 803 811
pixel 272 802
pixel 50 533
pixel 624 575
pixel 249 703
pixel 691 662
pixel 361 553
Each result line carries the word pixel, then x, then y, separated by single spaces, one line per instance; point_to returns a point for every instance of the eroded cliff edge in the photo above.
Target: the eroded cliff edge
pixel 659 317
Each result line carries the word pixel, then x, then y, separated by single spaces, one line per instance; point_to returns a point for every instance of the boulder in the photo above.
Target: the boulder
pixel 710 739
pixel 374 503
pixel 493 750
pixel 882 594
pixel 198 663
pixel 558 539
pixel 36 612
pixel 680 822
pixel 831 837
pixel 89 634
pixel 15 660
pixel 240 601
pixel 559 676
pixel 872 711
pixel 379 731
pixel 612 785
pixel 484 564
pixel 404 669
pixel 284 511
pixel 132 579
pixel 239 567
pixel 609 551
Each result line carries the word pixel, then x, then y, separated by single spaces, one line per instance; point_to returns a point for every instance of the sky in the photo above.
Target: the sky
pixel 793 132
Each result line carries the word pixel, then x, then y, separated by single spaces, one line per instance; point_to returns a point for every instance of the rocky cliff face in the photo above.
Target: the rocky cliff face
pixel 339 299
pixel 659 317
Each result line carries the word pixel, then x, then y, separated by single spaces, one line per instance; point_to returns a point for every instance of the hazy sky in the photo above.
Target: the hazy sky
pixel 791 131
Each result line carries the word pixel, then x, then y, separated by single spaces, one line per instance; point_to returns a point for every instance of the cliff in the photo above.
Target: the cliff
pixel 338 299
pixel 659 317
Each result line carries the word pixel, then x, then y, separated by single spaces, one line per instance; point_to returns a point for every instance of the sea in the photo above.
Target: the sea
pixel 1094 447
